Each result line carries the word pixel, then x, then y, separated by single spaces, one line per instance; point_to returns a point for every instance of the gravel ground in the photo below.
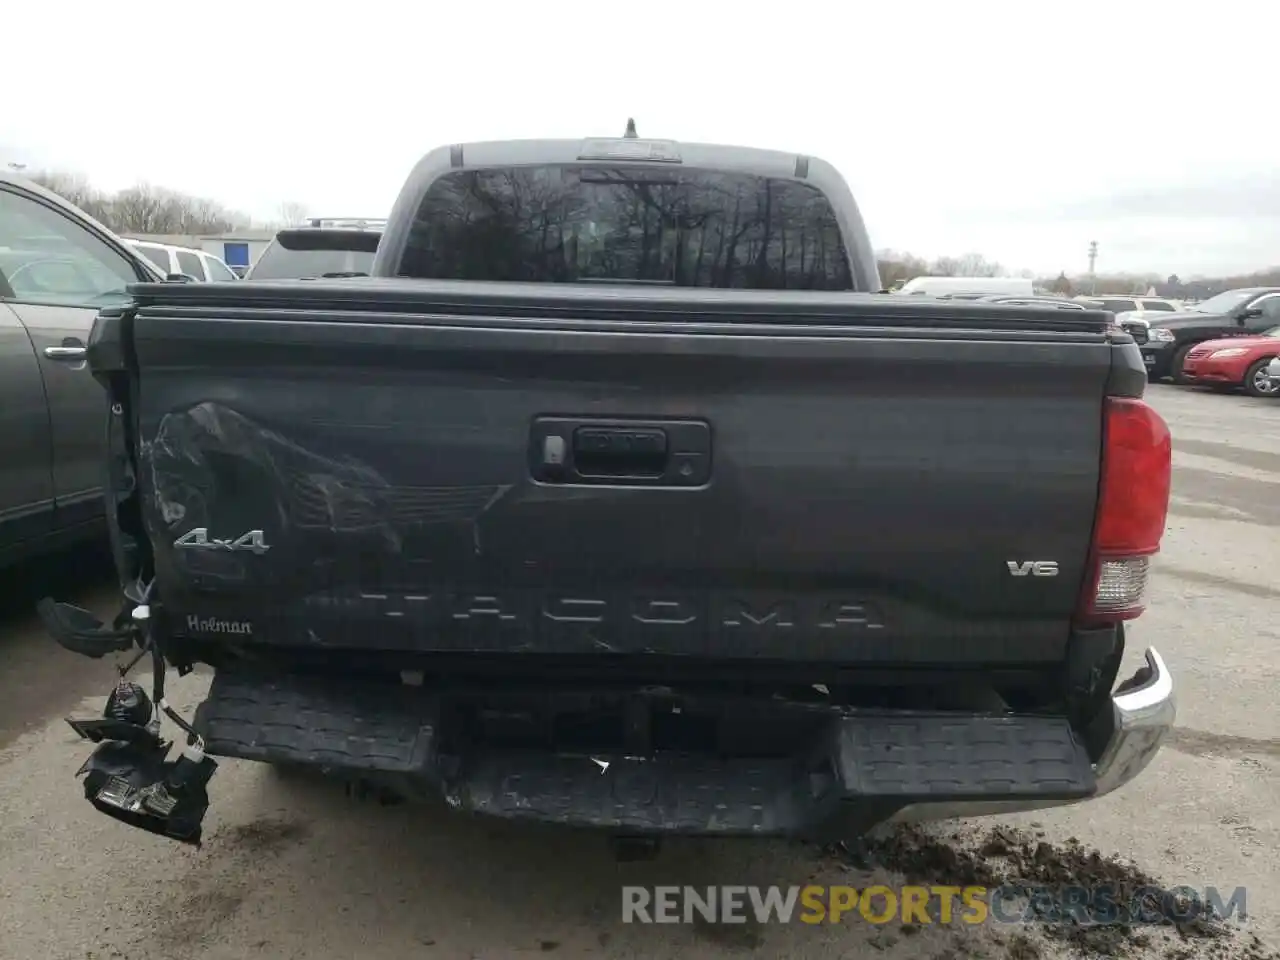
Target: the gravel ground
pixel 296 869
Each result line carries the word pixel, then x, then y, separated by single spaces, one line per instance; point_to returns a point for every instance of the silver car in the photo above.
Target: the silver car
pixel 1273 371
pixel 58 267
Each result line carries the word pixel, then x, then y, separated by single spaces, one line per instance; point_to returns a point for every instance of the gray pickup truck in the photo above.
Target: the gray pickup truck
pixel 617 497
pixel 58 267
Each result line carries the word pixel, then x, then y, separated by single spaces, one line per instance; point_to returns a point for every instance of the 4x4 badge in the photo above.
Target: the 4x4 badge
pixel 198 539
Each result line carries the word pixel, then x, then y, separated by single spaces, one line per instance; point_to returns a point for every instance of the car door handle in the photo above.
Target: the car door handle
pixel 64 353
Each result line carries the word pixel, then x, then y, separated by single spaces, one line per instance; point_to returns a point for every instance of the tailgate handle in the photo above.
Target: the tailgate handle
pixel 620 451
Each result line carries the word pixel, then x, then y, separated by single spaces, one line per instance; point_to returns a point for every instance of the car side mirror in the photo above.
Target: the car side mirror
pixel 1248 313
pixel 179 278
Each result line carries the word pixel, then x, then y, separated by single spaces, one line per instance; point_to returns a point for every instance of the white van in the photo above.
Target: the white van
pixel 196 264
pixel 968 287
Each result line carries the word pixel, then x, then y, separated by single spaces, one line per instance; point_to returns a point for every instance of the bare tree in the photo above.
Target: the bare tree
pixel 292 212
pixel 945 267
pixel 897 267
pixel 976 265
pixel 76 189
pixel 143 208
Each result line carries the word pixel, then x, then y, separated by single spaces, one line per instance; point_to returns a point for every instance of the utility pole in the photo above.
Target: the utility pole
pixel 1093 259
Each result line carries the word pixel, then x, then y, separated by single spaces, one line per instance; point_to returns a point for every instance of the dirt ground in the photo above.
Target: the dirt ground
pixel 296 869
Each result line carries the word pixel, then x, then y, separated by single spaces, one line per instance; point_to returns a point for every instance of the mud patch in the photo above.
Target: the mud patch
pixel 217 886
pixel 262 836
pixel 1128 913
pixel 1262 460
pixel 197 916
pixel 1201 743
pixel 1229 584
pixel 733 936
pixel 1022 947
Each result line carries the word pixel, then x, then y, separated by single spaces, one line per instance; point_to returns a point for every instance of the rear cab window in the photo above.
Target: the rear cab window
pixel 583 223
pixel 313 252
pixel 1157 305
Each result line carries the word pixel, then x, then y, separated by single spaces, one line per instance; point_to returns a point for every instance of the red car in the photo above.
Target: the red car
pixel 1235 362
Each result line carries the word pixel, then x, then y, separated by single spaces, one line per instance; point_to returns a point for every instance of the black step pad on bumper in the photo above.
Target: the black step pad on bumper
pixel 885 760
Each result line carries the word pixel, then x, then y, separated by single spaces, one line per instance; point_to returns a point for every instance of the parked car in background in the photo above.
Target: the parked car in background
pixel 968 287
pixel 197 264
pixel 58 267
pixel 1235 362
pixel 1273 374
pixel 1172 336
pixel 1061 303
pixel 1119 305
pixel 323 248
pixel 1136 324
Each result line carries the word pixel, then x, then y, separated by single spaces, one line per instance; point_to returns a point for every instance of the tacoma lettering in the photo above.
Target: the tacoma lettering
pixel 727 613
pixel 663 611
pixel 574 610
pixel 843 613
pixel 482 607
pixel 780 614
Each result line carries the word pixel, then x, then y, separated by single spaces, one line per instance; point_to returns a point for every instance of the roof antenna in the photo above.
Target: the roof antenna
pixel 631 129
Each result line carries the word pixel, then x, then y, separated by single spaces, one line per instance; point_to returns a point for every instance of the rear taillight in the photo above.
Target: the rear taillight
pixel 1133 503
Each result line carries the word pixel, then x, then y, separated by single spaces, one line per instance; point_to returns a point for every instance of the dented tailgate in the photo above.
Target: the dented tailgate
pixel 805 486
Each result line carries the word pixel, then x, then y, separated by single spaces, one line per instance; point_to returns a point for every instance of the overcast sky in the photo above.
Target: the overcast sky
pixel 1021 131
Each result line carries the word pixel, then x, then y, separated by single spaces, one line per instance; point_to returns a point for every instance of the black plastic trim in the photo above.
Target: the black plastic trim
pixel 737 311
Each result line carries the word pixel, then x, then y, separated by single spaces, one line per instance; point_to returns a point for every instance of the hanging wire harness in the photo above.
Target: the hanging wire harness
pixel 129 775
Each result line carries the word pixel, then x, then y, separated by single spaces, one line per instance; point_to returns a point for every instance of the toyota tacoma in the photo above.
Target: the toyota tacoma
pixel 617 497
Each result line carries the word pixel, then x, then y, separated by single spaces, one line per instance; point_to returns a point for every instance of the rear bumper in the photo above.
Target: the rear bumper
pixel 1135 726
pixel 860 767
pixel 1158 358
pixel 1214 372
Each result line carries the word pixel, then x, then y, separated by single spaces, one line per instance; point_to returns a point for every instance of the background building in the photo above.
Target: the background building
pixel 238 249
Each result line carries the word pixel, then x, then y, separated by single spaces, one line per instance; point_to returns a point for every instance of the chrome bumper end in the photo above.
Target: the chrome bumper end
pixel 1143 710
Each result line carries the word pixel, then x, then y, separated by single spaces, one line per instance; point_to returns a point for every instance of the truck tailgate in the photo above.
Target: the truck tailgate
pixel 431 468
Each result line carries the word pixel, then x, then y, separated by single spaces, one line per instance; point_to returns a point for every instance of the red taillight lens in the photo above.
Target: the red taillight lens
pixel 1133 504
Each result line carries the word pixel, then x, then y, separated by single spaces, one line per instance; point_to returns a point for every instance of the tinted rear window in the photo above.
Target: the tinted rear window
pixel 295 254
pixel 1157 305
pixel 1118 306
pixel 566 224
